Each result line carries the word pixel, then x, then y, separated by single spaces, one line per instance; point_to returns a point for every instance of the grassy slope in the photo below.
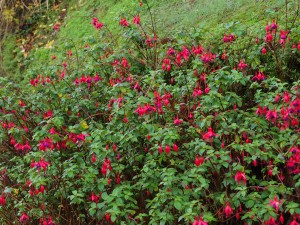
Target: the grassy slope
pixel 171 16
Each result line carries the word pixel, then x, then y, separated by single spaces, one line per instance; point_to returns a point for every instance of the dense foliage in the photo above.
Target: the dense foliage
pixel 139 129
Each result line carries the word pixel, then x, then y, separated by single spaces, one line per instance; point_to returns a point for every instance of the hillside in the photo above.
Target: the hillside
pixel 32 43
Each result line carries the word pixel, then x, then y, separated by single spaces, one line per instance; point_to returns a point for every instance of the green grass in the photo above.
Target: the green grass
pixel 171 16
pixel 9 64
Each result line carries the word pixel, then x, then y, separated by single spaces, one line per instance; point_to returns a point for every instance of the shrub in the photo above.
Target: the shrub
pixel 139 130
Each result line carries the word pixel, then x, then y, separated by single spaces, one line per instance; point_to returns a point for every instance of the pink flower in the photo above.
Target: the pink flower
pixel 209 135
pixel 242 65
pixel 240 177
pixel 2 200
pixel 177 121
pixel 93 159
pixel 228 210
pixel 274 26
pixel 197 50
pixel 123 22
pixel 168 149
pixel 137 20
pixel 24 218
pixel 175 147
pixel 294 222
pixel 286 97
pixel 269 37
pixel 258 77
pixel 199 160
pixel 275 203
pixel 201 222
pixel 271 221
pixel 98 25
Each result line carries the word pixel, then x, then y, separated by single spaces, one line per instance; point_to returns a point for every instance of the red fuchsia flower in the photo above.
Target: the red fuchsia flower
pixel 199 222
pixel 42 189
pixel 21 103
pixel 167 149
pixel 94 198
pixel 93 159
pixel 271 221
pixel 208 57
pixel 46 144
pixel 284 113
pixel 274 25
pixel 104 169
pixel 125 63
pixel 2 200
pixel 171 52
pixel 209 135
pixel 64 64
pixel 281 219
pixel 52 131
pixel 286 97
pixel 242 65
pixel 123 22
pixel 272 115
pixel 48 114
pixel 228 210
pixel 263 51
pixel 294 222
pixel 240 177
pixel 177 121
pixel 137 19
pixel 197 92
pixel 114 147
pixel 175 147
pixel 149 41
pixel 45 221
pixel 26 147
pixel 24 218
pixel 197 50
pixel 207 89
pixel 166 66
pixel 258 77
pixel 107 216
pixel 185 53
pixel 98 25
pixel 40 164
pixel 229 38
pixel 202 222
pixel 269 37
pixel 283 36
pixel 199 160
pixel 293 162
pixel 275 203
pixel 178 59
pixel 160 149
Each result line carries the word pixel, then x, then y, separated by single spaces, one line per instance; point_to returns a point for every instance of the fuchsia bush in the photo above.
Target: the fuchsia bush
pixel 191 131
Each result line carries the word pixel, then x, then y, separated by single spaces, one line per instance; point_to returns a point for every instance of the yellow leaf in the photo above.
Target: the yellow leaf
pixel 16 191
pixel 84 125
pixel 49 44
